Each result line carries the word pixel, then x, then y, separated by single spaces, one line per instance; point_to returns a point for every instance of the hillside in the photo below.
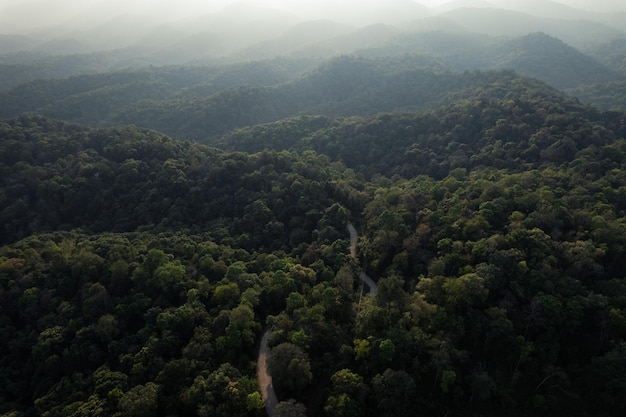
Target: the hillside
pixel 200 104
pixel 536 55
pixel 138 272
pixel 95 99
pixel 389 211
pixel 203 103
pixel 412 71
pixel 607 96
pixel 510 114
pixel 501 22
pixel 540 56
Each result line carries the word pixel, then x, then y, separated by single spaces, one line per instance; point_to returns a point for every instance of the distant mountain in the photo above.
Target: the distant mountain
pixel 297 37
pixel 344 86
pixel 499 22
pixel 612 54
pixel 411 72
pixel 459 4
pixel 247 31
pixel 455 50
pixel 365 37
pixel 99 28
pixel 181 50
pixel 15 43
pixel 63 46
pixel 244 32
pixel 394 12
pixel 242 25
pixel 118 32
pixel 202 111
pixel 541 56
pixel 536 55
pixel 614 20
pixel 92 98
pixel 542 8
pixel 433 24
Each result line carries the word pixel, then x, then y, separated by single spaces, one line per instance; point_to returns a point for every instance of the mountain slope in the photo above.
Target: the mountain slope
pixel 296 37
pixel 499 22
pixel 541 56
pixel 149 267
pixel 515 115
pixel 345 86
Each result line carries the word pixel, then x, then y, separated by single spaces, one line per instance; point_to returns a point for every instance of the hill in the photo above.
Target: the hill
pixel 95 98
pixel 502 22
pixel 536 55
pixel 541 56
pixel 510 112
pixel 138 272
pixel 140 268
pixel 205 105
pixel 198 102
pixel 607 96
pixel 202 103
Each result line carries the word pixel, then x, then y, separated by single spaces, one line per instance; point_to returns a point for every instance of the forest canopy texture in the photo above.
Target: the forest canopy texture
pixel 139 272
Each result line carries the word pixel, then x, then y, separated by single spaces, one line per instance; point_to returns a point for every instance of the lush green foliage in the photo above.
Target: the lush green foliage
pixel 97 98
pixel 608 96
pixel 203 103
pixel 512 123
pixel 142 323
pixel 58 176
pixel 139 272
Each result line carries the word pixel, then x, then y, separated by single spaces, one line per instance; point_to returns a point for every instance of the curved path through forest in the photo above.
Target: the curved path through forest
pixel 362 276
pixel 263 377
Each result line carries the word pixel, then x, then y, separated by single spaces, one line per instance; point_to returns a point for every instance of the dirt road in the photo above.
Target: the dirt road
pixel 362 276
pixel 264 378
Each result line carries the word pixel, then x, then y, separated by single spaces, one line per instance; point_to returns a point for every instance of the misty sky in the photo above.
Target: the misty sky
pixel 23 15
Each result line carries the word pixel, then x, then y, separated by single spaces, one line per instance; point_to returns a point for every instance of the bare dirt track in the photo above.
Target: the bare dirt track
pixel 362 276
pixel 264 378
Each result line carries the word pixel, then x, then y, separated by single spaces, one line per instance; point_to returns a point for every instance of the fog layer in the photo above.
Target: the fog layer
pixel 185 31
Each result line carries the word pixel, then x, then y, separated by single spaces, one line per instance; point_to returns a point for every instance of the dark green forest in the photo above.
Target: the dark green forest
pixel 138 272
pixel 391 210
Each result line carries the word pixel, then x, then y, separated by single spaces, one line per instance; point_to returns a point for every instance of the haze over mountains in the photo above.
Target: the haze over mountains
pixel 273 48
pixel 227 28
pixel 581 48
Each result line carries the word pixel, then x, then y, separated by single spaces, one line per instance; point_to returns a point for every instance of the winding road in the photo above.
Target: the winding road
pixel 264 378
pixel 268 394
pixel 362 276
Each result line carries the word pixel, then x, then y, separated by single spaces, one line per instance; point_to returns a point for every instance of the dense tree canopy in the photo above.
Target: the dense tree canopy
pixel 138 273
pixel 202 103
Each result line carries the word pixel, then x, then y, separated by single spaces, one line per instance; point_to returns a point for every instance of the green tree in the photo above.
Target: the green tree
pixel 290 408
pixel 395 393
pixel 290 369
pixel 345 399
pixel 140 401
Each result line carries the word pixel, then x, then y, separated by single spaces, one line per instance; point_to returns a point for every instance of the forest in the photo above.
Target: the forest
pixel 139 272
pixel 156 221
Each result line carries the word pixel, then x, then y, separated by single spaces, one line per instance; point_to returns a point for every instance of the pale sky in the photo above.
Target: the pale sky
pixel 23 15
pixel 27 14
